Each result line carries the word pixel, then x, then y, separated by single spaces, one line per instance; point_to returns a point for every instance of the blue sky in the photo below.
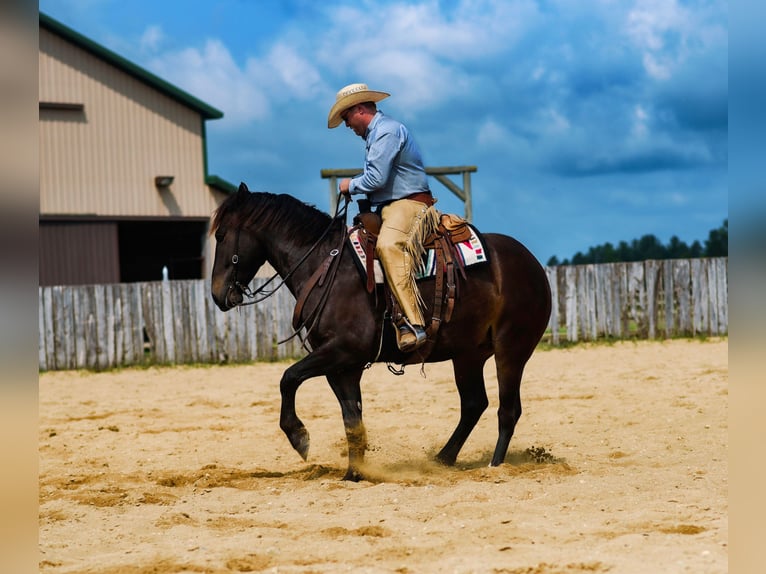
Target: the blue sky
pixel 589 121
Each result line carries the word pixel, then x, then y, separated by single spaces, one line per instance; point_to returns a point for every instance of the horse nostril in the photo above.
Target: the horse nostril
pixel 233 297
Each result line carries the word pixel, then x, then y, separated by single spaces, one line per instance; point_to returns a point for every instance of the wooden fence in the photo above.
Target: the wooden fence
pixel 174 322
pixel 644 299
pixel 167 322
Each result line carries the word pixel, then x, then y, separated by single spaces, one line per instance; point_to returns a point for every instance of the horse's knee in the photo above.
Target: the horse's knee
pixel 508 416
pixel 288 385
pixel 472 410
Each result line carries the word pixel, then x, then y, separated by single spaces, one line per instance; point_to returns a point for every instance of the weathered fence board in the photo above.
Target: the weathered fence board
pixel 646 299
pixel 554 320
pixel 172 322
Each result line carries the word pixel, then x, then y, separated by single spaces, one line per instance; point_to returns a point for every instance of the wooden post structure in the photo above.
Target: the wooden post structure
pixel 439 173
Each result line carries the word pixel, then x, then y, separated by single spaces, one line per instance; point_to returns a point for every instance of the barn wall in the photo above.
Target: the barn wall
pixel 77 253
pixel 101 150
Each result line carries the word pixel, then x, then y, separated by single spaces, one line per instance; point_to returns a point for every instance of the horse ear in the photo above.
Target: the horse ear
pixel 243 188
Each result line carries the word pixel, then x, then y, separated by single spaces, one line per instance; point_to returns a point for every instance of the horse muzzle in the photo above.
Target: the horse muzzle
pixel 232 297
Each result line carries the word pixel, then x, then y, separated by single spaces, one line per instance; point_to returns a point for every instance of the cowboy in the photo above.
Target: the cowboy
pixel 394 181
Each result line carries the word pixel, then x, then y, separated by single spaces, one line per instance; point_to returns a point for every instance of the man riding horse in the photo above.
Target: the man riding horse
pixel 394 182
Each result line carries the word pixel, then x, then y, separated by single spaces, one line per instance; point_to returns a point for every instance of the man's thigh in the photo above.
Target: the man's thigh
pixel 399 219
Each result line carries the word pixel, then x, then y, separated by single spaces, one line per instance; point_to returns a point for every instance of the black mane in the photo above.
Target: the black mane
pixel 298 220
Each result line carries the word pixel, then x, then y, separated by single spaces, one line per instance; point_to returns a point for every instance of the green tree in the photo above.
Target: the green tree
pixel 677 249
pixel 579 259
pixel 649 247
pixel 624 252
pixel 717 243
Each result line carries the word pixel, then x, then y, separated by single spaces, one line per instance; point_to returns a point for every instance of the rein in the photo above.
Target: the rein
pixel 265 294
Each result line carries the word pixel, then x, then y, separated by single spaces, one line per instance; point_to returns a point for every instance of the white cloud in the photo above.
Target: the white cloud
pixel 301 79
pixel 151 38
pixel 247 92
pixel 555 122
pixel 491 134
pixel 657 67
pixel 676 198
pixel 647 25
pixel 212 75
pixel 418 79
pixel 474 30
pixel 668 32
pixel 420 50
pixel 639 129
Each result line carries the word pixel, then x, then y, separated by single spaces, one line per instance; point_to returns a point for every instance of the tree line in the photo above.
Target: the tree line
pixel 650 247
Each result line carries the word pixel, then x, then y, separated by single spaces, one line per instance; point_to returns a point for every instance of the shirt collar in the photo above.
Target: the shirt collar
pixel 373 123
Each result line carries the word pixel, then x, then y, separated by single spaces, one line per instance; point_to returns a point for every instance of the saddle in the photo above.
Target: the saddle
pixel 452 229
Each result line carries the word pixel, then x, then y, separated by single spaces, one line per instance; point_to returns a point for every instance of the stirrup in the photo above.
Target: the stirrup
pixel 408 336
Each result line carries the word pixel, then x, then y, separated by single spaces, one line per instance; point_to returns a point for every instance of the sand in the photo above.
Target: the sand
pixel 618 464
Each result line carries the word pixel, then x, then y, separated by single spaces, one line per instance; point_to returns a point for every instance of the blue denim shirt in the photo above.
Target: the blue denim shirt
pixel 393 165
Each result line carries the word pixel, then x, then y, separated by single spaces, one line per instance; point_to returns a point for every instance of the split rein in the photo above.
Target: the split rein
pixel 262 293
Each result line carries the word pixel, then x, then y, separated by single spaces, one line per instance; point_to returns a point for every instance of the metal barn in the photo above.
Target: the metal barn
pixel 124 183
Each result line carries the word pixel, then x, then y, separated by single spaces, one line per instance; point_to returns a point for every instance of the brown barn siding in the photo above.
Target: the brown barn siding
pixel 101 158
pixel 107 128
pixel 78 253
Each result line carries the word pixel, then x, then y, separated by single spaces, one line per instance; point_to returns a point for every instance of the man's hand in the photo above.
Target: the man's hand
pixel 343 187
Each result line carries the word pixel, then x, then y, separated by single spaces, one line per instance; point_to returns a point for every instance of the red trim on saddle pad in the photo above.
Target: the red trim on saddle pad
pixel 471 252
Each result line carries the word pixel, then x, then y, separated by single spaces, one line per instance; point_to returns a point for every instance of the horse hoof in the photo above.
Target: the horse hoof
pixel 353 475
pixel 301 442
pixel 444 460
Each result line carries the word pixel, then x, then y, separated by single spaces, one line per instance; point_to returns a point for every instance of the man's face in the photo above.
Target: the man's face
pixel 355 119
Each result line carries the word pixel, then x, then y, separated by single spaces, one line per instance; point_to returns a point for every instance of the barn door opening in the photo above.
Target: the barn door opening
pixel 148 246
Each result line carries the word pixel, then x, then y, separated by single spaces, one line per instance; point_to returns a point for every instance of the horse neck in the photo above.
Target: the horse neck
pixel 286 256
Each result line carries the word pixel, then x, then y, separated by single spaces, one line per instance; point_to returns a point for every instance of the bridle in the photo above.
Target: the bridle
pixel 235 283
pixel 262 291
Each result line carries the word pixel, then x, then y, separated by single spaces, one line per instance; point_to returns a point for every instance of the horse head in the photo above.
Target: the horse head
pixel 238 251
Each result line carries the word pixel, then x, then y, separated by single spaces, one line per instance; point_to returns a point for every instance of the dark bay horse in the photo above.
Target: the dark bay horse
pixel 503 310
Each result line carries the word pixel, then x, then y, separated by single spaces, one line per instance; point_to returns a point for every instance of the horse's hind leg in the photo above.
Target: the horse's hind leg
pixel 469 378
pixel 510 367
pixel 347 390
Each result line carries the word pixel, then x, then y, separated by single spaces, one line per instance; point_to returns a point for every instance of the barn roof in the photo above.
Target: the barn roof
pixel 205 110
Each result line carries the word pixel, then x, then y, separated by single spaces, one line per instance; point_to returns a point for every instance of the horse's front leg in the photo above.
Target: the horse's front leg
pixel 347 390
pixel 312 365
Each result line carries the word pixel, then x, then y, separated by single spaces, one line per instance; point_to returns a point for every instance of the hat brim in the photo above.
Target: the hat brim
pixel 344 103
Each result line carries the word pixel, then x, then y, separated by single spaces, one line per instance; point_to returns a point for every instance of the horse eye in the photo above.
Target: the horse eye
pixel 219 235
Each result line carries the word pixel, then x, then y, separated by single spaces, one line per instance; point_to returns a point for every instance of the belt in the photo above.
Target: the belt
pixel 422 196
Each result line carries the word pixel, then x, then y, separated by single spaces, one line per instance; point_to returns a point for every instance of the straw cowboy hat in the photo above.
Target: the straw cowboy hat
pixel 350 96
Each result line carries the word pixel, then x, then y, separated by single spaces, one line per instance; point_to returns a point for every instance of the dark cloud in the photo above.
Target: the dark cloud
pixel 579 162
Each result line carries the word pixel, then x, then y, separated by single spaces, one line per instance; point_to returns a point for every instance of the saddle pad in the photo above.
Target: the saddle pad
pixel 470 252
